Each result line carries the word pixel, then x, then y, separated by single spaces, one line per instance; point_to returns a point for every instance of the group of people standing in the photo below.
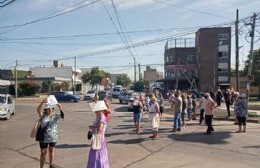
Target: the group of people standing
pixel 239 103
pixel 183 104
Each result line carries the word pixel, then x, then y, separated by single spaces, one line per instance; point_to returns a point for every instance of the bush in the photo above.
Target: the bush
pixel 28 88
pixel 46 86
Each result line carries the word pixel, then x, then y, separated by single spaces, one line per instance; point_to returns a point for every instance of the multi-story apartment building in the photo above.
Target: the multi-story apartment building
pixel 204 64
pixel 214 56
pixel 180 64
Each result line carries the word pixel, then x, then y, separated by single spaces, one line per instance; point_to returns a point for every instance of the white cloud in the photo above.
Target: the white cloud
pixel 202 4
pixel 127 4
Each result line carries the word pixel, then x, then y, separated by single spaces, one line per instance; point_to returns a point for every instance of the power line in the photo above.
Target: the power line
pixel 50 16
pixel 142 43
pixel 189 9
pixel 5 3
pixel 146 42
pixel 123 37
pixel 99 34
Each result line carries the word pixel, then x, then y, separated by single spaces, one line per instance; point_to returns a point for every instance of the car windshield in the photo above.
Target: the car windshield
pixel 135 94
pixel 90 92
pixel 2 99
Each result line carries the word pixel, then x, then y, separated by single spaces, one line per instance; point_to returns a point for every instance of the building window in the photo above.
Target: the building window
pixel 191 58
pixel 171 59
pixel 223 54
pixel 167 59
pixel 223 39
pixel 223 60
pixel 223 74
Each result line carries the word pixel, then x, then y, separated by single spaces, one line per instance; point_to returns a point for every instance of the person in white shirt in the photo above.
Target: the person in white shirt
pixel 201 107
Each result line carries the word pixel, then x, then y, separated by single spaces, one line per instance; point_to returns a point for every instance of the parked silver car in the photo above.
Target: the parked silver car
pixel 7 106
pixel 124 96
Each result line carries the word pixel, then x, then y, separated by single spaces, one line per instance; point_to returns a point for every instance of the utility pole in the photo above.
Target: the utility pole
pixel 252 35
pixel 74 75
pixel 139 66
pixel 237 52
pixel 134 69
pixel 177 75
pixel 16 64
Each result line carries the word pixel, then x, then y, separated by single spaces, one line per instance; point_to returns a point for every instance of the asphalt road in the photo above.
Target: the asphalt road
pixel 189 148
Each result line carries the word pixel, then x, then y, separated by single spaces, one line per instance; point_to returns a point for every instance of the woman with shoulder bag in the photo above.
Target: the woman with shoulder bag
pixel 98 155
pixel 49 134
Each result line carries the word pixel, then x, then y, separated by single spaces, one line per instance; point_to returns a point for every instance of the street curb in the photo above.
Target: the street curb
pixel 249 120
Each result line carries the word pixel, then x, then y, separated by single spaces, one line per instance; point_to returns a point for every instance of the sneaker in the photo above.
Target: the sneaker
pixel 51 166
pixel 178 129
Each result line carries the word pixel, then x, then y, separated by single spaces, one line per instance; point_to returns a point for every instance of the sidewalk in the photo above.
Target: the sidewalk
pixel 221 114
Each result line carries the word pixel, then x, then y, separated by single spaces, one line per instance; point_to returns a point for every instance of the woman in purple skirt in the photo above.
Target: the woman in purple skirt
pixel 99 158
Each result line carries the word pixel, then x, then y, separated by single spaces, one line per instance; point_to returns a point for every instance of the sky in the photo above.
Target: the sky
pixel 112 34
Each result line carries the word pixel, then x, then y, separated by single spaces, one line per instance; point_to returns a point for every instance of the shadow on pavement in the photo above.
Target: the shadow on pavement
pixel 214 138
pixel 124 126
pixel 121 109
pixel 129 141
pixel 124 116
pixel 64 146
pixel 114 134
pixel 255 146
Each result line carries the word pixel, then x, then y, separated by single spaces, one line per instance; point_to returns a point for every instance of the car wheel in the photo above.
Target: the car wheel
pixel 13 112
pixel 72 100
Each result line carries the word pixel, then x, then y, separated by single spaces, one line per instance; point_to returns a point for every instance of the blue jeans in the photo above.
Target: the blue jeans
pixel 177 120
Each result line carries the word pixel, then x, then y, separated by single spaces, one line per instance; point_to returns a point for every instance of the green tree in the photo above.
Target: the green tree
pixel 56 87
pixel 29 88
pixel 65 86
pixel 255 67
pixel 139 86
pixel 20 73
pixel 46 86
pixel 123 80
pixel 94 76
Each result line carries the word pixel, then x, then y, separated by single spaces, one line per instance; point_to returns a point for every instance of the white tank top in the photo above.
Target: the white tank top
pixel 152 108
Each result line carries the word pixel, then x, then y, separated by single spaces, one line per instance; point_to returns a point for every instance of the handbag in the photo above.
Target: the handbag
pixel 89 134
pixel 96 141
pixel 156 122
pixel 40 133
pixel 35 129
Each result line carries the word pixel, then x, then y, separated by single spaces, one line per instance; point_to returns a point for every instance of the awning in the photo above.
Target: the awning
pixel 5 82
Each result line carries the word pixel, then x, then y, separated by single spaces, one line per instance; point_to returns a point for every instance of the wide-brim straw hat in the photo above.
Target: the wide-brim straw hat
pixel 98 106
pixel 153 98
